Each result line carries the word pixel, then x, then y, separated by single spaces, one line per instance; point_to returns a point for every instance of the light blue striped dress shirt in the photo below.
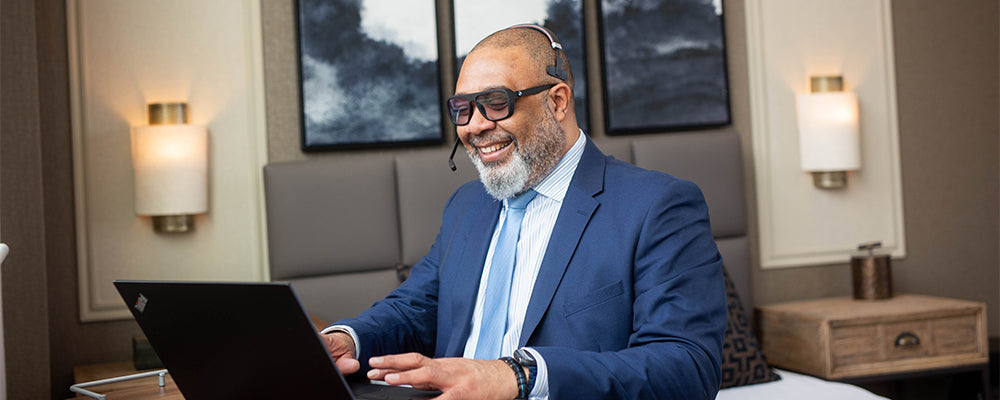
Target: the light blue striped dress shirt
pixel 536 228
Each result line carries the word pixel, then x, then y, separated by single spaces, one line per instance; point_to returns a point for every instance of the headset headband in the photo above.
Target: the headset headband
pixel 554 70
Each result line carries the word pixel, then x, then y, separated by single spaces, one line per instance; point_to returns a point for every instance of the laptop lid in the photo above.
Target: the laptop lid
pixel 234 340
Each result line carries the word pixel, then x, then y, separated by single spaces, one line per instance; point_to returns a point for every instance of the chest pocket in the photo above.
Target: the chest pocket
pixel 593 299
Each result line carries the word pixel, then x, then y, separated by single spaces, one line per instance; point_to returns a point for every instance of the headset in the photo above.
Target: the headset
pixel 555 70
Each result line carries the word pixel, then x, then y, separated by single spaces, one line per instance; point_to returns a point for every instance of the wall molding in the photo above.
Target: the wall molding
pixel 787 41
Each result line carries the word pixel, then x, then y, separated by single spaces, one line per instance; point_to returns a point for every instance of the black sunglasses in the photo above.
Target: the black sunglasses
pixel 494 104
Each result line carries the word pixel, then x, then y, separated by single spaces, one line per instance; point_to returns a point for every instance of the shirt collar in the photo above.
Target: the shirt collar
pixel 555 185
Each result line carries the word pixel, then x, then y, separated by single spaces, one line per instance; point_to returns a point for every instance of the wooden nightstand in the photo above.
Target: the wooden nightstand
pixel 856 340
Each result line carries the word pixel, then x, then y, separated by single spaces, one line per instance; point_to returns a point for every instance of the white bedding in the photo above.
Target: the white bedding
pixel 797 386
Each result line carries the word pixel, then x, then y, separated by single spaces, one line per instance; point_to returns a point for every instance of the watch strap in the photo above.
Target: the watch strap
pixel 522 381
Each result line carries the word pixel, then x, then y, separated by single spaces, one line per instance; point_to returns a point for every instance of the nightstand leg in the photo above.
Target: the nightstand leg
pixel 987 385
pixel 964 385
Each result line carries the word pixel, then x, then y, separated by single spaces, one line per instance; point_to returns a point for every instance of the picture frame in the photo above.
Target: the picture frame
pixel 664 65
pixel 474 20
pixel 369 73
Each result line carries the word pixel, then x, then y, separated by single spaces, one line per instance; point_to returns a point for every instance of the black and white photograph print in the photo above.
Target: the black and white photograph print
pixel 369 73
pixel 477 19
pixel 664 65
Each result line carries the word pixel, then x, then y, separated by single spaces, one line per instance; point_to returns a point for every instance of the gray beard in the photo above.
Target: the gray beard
pixel 503 182
pixel 530 162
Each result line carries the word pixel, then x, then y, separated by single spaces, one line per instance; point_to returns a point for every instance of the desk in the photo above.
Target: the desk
pixel 145 388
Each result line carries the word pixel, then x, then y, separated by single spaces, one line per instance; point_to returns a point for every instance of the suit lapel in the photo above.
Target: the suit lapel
pixel 475 245
pixel 578 206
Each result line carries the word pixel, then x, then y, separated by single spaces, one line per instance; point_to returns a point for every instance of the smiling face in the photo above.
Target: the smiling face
pixel 515 153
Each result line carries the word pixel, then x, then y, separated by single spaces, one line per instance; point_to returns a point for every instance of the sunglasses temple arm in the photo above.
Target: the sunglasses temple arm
pixel 451 159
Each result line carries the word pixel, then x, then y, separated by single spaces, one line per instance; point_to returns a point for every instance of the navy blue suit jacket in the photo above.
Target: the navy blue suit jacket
pixel 629 302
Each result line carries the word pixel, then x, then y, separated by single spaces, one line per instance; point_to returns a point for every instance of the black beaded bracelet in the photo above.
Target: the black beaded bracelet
pixel 522 381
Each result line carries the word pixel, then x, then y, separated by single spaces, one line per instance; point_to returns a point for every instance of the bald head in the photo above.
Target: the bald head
pixel 535 45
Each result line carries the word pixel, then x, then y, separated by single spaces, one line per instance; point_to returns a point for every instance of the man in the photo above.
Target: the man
pixel 616 287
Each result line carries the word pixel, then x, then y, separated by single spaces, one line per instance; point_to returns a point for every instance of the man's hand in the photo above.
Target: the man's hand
pixel 342 349
pixel 457 378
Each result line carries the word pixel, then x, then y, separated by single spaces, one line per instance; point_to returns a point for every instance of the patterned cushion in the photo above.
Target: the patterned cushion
pixel 742 361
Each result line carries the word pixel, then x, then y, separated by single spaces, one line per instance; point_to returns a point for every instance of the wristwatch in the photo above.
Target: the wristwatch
pixel 525 358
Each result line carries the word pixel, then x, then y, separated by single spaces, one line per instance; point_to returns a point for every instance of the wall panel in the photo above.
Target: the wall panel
pixel 123 55
pixel 788 41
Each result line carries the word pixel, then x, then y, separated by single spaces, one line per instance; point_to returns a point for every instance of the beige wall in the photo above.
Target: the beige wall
pixel 43 335
pixel 114 73
pixel 25 323
pixel 947 81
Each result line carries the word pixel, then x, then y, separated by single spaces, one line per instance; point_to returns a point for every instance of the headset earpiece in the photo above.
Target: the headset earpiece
pixel 557 70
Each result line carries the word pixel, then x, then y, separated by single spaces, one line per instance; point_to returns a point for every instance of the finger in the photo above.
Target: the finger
pixel 339 344
pixel 420 377
pixel 348 366
pixel 379 374
pixel 331 344
pixel 399 361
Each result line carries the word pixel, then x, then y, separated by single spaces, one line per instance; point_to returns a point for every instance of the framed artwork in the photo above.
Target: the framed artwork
pixel 475 20
pixel 664 65
pixel 369 73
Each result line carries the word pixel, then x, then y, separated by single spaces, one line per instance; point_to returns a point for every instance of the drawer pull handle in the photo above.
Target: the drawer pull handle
pixel 907 339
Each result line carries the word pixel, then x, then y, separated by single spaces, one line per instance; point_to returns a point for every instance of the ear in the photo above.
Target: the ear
pixel 562 100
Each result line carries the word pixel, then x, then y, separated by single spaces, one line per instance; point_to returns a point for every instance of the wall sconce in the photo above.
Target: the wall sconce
pixel 829 143
pixel 170 161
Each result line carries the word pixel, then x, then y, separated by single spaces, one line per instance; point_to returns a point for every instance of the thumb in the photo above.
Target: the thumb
pixel 348 365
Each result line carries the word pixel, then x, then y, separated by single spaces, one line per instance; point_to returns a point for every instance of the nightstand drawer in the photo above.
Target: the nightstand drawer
pixel 955 335
pixel 845 338
pixel 856 345
pixel 853 345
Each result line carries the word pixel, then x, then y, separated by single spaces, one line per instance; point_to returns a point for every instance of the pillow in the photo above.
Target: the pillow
pixel 742 361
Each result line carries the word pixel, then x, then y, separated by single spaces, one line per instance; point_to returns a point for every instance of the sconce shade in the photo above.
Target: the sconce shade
pixel 170 163
pixel 828 131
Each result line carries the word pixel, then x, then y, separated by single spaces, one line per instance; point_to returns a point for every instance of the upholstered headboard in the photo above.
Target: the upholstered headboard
pixel 339 227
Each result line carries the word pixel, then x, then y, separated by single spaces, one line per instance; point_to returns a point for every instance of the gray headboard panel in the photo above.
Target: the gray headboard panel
pixel 331 215
pixel 425 184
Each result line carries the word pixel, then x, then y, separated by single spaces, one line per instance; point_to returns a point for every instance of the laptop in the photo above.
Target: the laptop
pixel 242 341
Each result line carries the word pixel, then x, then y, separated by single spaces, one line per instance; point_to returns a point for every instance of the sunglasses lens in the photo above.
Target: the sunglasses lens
pixel 495 104
pixel 459 110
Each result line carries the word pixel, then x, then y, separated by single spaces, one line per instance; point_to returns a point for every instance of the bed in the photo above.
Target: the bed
pixel 797 386
pixel 340 263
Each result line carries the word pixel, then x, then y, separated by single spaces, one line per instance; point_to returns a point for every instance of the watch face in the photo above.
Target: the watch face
pixel 524 357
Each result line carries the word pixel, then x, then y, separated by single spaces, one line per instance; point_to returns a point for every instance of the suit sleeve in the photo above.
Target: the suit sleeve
pixel 405 321
pixel 679 314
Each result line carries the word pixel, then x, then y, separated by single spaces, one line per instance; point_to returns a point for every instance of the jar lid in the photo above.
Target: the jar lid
pixel 869 249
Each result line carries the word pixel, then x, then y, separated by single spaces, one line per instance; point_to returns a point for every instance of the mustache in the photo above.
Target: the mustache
pixel 483 139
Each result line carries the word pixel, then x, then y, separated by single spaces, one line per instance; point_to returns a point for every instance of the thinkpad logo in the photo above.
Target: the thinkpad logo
pixel 140 303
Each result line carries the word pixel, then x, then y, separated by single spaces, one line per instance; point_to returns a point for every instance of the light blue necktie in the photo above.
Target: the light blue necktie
pixel 497 294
